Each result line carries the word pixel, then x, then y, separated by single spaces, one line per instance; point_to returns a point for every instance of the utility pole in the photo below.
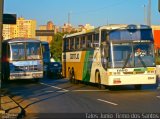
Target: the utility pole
pixel 145 22
pixel 1 38
pixel 149 13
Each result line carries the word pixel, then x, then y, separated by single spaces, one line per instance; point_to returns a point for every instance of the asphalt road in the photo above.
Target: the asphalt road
pixel 54 98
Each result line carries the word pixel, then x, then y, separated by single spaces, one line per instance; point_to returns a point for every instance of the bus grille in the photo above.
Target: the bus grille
pixel 26 68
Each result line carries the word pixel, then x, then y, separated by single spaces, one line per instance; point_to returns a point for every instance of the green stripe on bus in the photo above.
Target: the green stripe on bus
pixel 87 66
pixel 140 69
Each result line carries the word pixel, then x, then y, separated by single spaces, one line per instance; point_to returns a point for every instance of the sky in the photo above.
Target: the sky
pixel 94 12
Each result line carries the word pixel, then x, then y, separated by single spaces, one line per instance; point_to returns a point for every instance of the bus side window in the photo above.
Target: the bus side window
pixel 77 45
pixel 92 41
pixel 83 42
pixel 72 43
pixel 96 40
pixel 89 41
pixel 66 44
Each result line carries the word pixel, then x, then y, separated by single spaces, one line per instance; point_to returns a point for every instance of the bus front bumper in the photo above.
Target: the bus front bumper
pixel 27 75
pixel 132 80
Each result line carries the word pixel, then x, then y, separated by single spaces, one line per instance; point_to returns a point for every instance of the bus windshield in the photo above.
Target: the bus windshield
pixel 18 51
pixel 128 55
pixel 25 51
pixel 33 50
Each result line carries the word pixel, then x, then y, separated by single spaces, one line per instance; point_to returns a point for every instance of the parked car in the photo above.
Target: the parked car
pixel 54 70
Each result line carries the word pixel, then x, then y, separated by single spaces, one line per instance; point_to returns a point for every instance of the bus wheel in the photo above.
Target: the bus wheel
pixel 138 87
pixel 98 80
pixel 36 80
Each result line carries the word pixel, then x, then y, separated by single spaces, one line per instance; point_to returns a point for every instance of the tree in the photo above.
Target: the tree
pixel 56 46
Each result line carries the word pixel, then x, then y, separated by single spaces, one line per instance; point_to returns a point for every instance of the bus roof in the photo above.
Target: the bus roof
pixel 79 33
pixel 21 40
pixel 124 26
pixel 109 27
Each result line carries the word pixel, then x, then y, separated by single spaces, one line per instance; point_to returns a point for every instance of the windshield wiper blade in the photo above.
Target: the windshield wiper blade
pixel 142 62
pixel 126 61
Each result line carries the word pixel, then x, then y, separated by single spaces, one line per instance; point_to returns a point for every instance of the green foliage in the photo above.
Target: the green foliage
pixel 157 60
pixel 56 46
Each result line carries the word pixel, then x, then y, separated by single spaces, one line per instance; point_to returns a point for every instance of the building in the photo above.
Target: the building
pixel 42 38
pixel 23 28
pixel 67 28
pixel 85 27
pixel 9 31
pixel 49 27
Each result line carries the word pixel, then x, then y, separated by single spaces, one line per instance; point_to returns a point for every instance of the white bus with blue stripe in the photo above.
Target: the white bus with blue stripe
pixel 22 59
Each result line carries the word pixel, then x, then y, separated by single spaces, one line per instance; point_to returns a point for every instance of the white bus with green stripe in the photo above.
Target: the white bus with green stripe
pixel 110 55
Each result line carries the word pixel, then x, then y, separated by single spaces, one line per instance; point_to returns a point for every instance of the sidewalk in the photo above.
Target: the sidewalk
pixel 9 109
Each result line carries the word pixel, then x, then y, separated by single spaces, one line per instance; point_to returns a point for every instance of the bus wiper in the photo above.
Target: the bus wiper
pixel 126 61
pixel 142 62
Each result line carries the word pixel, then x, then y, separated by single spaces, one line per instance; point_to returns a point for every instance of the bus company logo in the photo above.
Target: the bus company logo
pixel 74 56
pixel 122 70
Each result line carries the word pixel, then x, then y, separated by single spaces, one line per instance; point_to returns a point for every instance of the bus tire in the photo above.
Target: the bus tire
pixel 36 80
pixel 138 87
